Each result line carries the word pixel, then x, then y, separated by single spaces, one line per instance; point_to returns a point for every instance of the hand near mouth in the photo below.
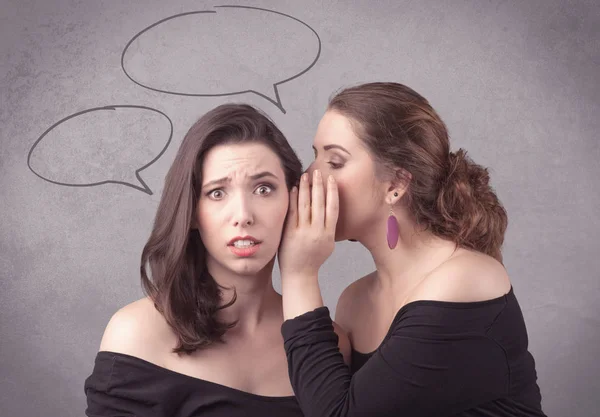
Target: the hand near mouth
pixel 308 240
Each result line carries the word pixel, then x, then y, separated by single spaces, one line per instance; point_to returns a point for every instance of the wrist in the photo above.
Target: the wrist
pixel 296 277
pixel 301 294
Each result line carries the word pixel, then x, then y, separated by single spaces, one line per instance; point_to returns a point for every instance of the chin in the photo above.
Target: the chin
pixel 252 265
pixel 340 234
pixel 347 230
pixel 248 266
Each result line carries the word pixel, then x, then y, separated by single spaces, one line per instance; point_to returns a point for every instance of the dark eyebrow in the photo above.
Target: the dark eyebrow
pixel 227 179
pixel 262 175
pixel 332 146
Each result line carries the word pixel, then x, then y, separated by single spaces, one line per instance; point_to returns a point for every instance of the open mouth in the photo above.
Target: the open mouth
pixel 243 242
pixel 244 246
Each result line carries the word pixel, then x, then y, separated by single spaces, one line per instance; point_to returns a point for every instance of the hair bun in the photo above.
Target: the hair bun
pixel 465 174
pixel 470 209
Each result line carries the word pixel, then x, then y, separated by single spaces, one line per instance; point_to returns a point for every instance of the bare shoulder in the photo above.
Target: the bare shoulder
pixel 137 329
pixel 350 301
pixel 466 277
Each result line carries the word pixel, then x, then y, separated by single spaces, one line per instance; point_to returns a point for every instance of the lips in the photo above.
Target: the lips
pixel 243 241
pixel 244 246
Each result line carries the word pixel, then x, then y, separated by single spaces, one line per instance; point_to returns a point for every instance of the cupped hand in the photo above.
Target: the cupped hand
pixel 309 235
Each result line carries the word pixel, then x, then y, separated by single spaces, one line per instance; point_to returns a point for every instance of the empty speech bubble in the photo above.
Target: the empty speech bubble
pixel 102 145
pixel 228 51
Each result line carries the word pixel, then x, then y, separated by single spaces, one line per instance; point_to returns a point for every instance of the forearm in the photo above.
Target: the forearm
pixel 301 294
pixel 318 374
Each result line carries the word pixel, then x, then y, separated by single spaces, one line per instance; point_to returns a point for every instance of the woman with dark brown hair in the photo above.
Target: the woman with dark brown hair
pixel 436 329
pixel 206 340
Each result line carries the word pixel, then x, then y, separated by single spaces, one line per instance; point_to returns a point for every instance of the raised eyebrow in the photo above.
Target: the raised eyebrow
pixel 263 175
pixel 217 182
pixel 225 180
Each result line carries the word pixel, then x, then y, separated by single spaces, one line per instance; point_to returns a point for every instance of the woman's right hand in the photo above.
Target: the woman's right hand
pixel 309 235
pixel 308 240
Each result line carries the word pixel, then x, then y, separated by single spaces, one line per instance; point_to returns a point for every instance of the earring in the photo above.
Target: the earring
pixel 392 228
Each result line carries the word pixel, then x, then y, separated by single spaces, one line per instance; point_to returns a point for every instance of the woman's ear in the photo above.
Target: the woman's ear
pixel 403 179
pixel 398 186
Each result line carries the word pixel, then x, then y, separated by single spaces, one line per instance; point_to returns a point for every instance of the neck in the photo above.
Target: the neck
pixel 417 253
pixel 256 300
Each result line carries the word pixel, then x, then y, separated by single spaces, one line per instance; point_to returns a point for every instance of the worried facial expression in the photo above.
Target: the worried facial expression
pixel 242 207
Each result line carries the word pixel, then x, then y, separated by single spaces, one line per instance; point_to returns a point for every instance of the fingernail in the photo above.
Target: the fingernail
pixel 317 174
pixel 331 179
pixel 305 177
pixel 294 189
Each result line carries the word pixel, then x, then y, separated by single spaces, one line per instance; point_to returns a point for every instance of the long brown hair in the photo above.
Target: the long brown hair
pixel 173 264
pixel 448 193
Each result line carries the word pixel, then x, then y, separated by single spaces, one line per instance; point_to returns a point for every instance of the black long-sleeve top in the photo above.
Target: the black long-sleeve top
pixel 438 359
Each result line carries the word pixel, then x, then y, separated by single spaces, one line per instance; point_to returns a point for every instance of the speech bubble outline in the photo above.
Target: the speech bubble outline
pixel 276 102
pixel 144 188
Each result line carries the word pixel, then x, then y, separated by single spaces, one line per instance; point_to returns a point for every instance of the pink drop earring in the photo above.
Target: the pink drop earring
pixel 392 228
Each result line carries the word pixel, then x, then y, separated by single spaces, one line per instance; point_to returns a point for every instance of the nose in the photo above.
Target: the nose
pixel 311 169
pixel 242 213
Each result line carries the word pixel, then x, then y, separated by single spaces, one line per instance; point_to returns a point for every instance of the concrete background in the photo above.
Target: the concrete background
pixel 516 81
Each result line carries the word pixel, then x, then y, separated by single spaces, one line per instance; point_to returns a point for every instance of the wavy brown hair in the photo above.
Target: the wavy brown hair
pixel 448 193
pixel 173 263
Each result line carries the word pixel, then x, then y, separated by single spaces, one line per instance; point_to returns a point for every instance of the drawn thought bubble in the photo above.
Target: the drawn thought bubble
pixel 232 50
pixel 102 145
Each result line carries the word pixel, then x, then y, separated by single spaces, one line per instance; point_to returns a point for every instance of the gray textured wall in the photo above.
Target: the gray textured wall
pixel 516 81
